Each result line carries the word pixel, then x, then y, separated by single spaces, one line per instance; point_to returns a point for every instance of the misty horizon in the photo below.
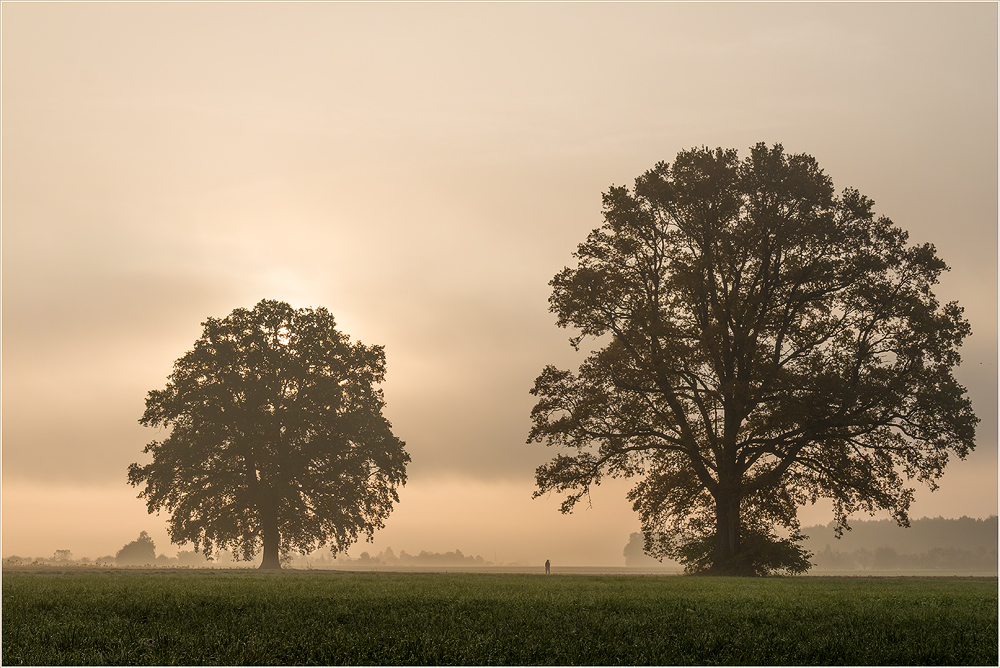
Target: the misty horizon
pixel 969 536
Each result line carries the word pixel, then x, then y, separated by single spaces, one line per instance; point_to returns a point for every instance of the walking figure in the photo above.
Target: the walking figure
pixel 547 566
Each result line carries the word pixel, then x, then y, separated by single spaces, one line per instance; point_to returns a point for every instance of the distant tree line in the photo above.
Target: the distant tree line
pixel 184 559
pixel 141 552
pixel 963 544
pixel 887 558
pixel 389 558
pixel 58 558
pixel 924 534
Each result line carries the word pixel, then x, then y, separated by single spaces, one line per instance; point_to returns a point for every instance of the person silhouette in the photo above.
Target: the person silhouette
pixel 547 566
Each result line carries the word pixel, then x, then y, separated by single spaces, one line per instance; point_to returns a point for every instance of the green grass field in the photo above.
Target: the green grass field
pixel 90 616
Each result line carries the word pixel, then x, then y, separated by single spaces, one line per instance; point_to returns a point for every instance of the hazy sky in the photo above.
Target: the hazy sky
pixel 423 170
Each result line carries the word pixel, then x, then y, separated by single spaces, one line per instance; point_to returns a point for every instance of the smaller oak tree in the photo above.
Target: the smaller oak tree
pixel 277 438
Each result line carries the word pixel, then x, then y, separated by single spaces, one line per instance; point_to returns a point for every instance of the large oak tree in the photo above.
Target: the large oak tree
pixel 760 342
pixel 277 439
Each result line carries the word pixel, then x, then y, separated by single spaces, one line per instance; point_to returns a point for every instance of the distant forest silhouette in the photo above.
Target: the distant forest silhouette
pixel 389 558
pixel 141 553
pixel 963 544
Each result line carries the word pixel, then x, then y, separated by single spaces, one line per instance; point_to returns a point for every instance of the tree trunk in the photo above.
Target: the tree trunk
pixel 269 533
pixel 729 494
pixel 727 534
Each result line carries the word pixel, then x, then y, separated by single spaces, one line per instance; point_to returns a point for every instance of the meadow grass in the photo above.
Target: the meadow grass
pixel 77 616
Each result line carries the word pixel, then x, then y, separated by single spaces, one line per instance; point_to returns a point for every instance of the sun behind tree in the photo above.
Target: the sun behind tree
pixel 768 344
pixel 277 438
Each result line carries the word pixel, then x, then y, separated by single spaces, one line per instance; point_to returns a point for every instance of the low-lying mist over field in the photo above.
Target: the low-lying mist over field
pixel 929 544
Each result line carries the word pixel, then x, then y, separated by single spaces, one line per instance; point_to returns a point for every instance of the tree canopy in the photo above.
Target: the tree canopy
pixel 277 439
pixel 140 552
pixel 761 342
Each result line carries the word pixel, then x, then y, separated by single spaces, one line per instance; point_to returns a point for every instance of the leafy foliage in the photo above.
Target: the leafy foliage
pixel 766 343
pixel 277 437
pixel 761 553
